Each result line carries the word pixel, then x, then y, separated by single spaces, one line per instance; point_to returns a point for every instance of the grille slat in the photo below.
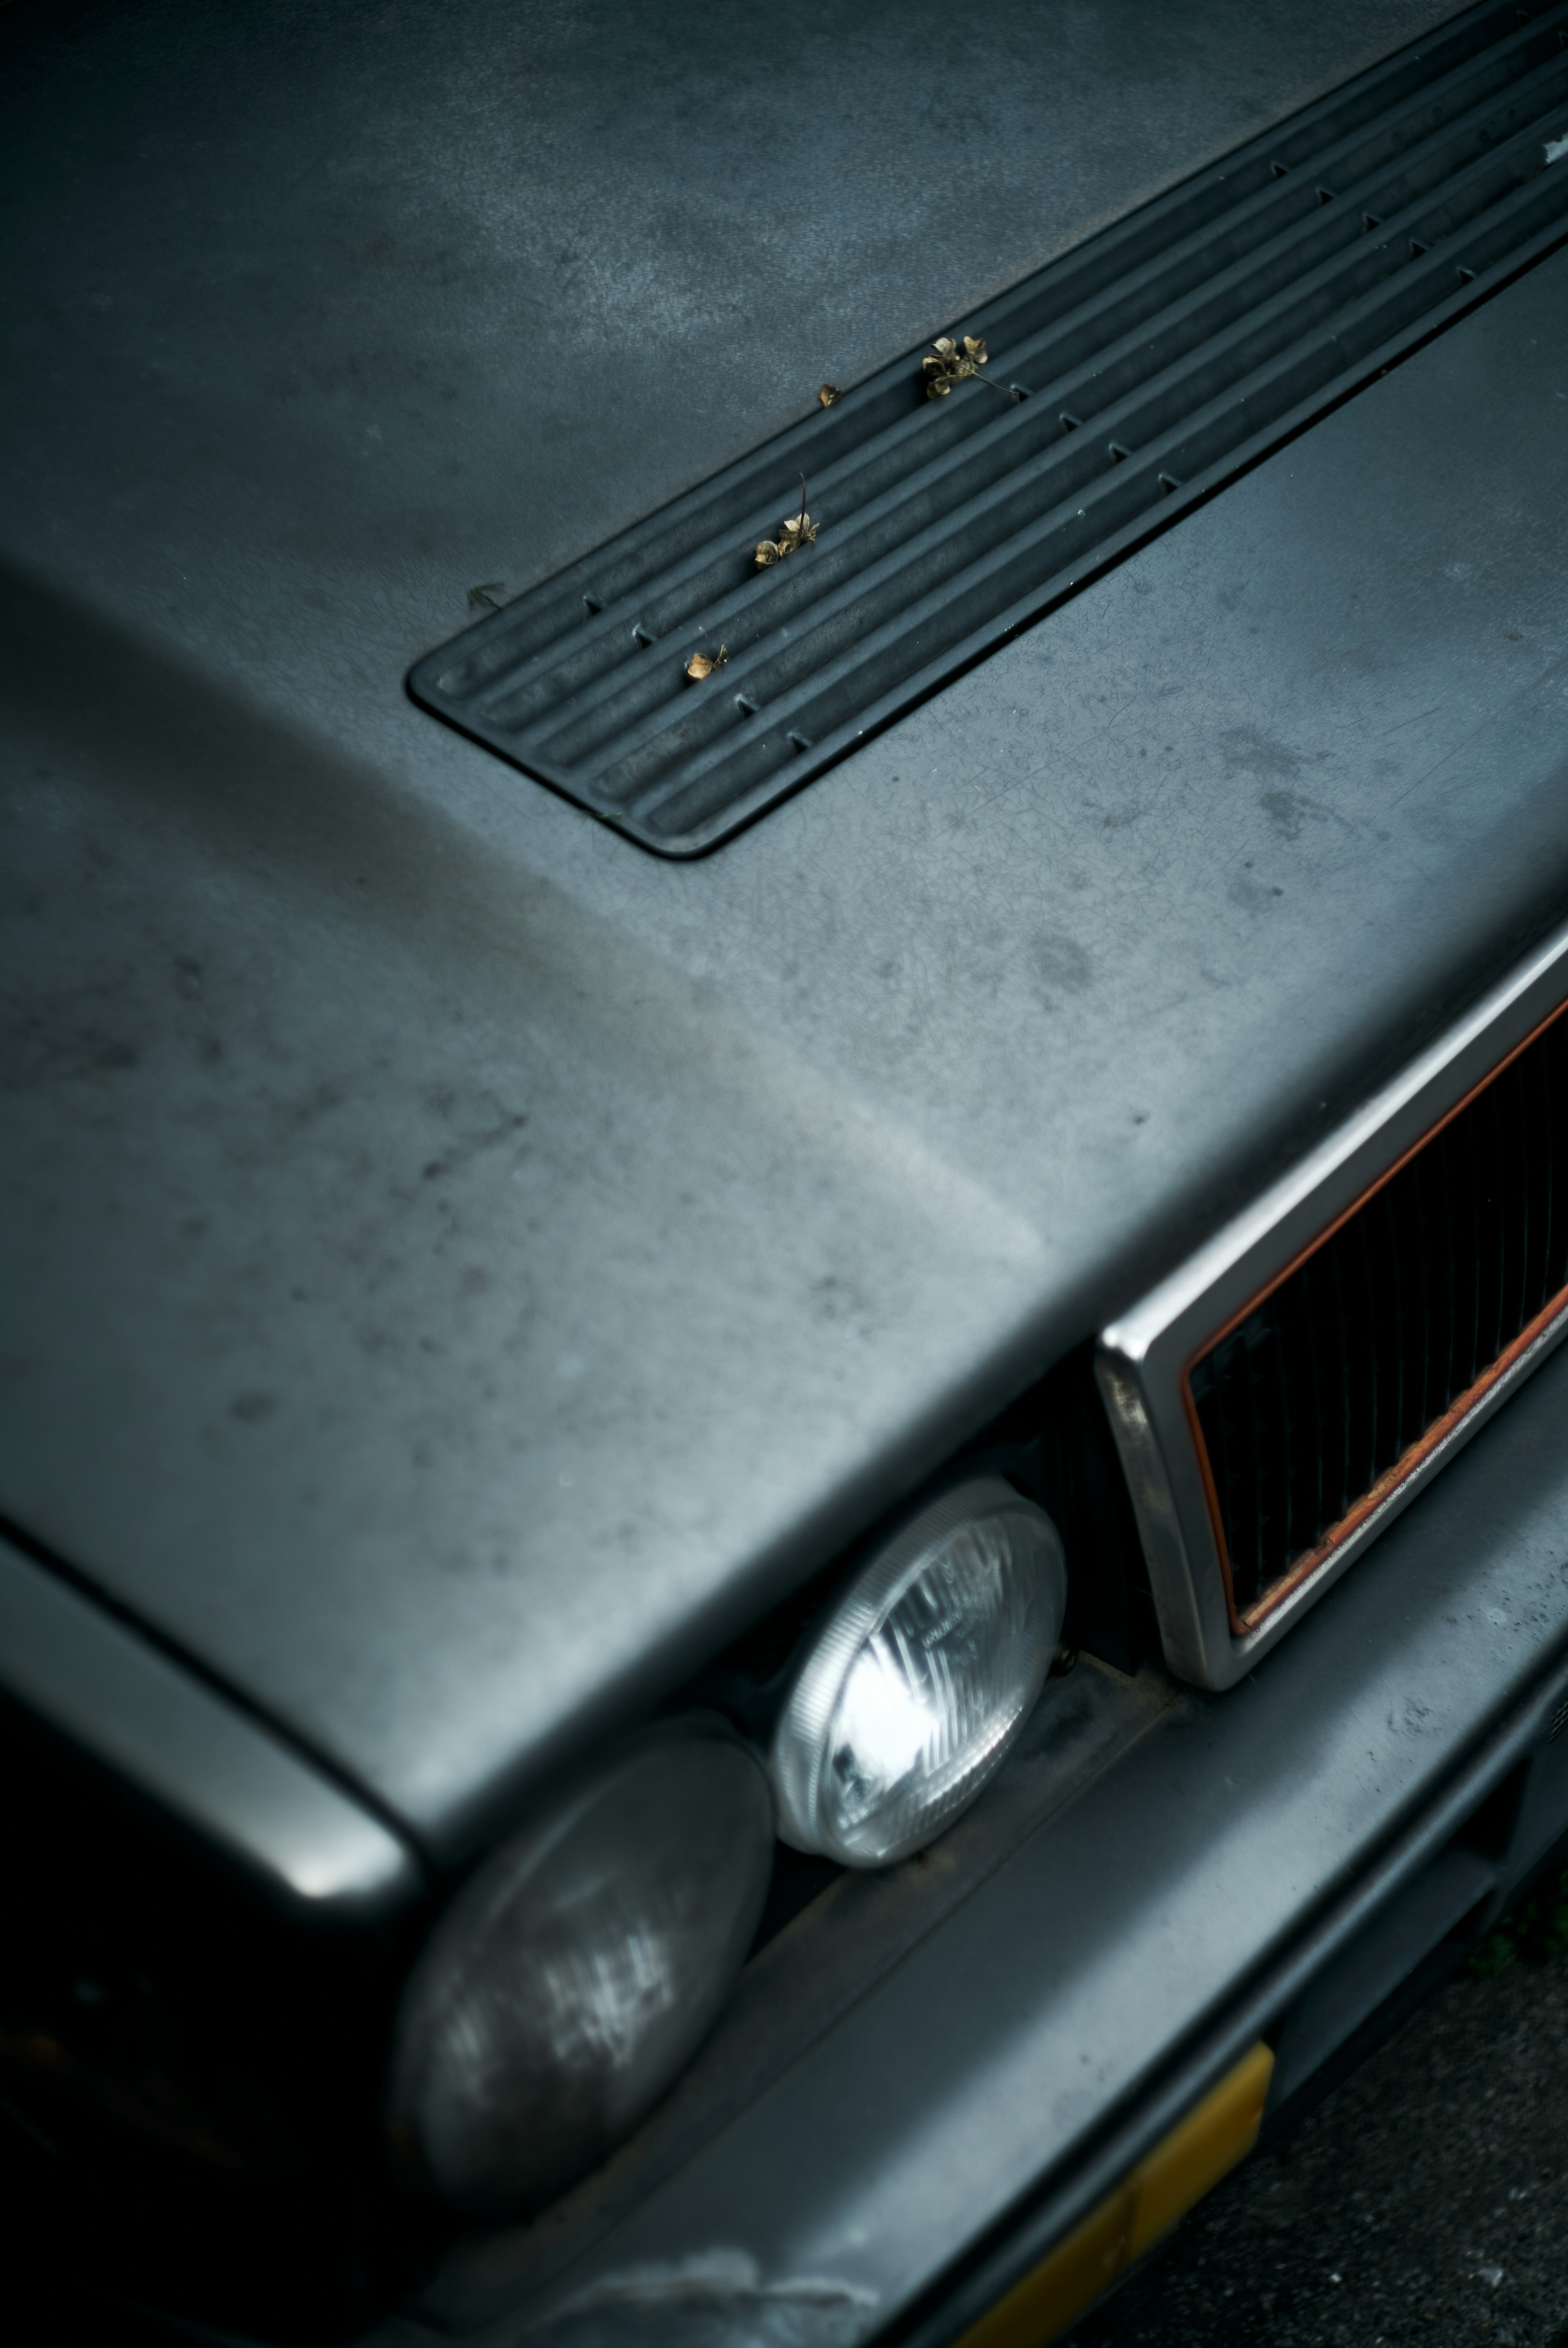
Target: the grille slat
pixel 1307 1497
pixel 1493 1221
pixel 1546 1108
pixel 1516 1229
pixel 1343 1365
pixel 1402 1313
pixel 1534 1109
pixel 1284 1497
pixel 1434 1163
pixel 1474 1354
pixel 1367 1334
pixel 1412 1238
pixel 1460 1252
pixel 1159 357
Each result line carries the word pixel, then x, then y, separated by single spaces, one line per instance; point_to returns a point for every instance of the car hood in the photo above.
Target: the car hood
pixel 456 1269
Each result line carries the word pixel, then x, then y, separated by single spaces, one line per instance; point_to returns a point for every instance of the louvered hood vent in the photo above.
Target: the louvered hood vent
pixel 1155 361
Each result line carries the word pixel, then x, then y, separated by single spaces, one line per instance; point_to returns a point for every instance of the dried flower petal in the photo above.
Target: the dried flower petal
pixel 946 365
pixel 943 367
pixel 828 394
pixel 799 530
pixel 700 665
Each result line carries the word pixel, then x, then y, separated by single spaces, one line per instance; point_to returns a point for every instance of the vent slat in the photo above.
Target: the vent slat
pixel 1159 357
pixel 1400 1314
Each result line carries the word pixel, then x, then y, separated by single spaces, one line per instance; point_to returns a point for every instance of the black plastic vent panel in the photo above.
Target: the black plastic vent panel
pixel 1332 1388
pixel 1157 360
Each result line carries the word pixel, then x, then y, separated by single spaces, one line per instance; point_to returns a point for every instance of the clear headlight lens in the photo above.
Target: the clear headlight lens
pixel 921 1677
pixel 574 1975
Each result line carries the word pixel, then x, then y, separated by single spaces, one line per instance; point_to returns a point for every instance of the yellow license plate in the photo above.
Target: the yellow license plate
pixel 1199 2150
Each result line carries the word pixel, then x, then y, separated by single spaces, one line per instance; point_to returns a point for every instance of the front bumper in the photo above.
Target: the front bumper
pixel 1275 1864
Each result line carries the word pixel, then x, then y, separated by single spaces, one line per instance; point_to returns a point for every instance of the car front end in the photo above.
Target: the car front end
pixel 785 886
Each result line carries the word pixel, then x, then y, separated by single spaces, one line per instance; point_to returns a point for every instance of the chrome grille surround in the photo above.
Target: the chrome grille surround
pixel 1144 1356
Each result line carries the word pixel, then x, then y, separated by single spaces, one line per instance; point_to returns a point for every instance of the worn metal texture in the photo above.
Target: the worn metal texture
pixel 455 1269
pixel 1024 2045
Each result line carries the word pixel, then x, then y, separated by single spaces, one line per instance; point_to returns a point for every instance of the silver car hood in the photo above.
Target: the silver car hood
pixel 455 1269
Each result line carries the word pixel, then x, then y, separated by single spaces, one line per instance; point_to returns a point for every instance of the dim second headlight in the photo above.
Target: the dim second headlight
pixel 574 1975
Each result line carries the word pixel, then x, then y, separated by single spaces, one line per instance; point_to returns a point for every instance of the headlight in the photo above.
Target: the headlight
pixel 922 1677
pixel 574 1975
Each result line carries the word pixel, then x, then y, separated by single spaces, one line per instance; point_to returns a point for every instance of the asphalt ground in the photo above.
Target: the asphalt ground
pixel 1425 2201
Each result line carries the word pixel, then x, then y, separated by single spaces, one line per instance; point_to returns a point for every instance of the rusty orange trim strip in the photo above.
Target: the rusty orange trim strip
pixel 1409 1460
